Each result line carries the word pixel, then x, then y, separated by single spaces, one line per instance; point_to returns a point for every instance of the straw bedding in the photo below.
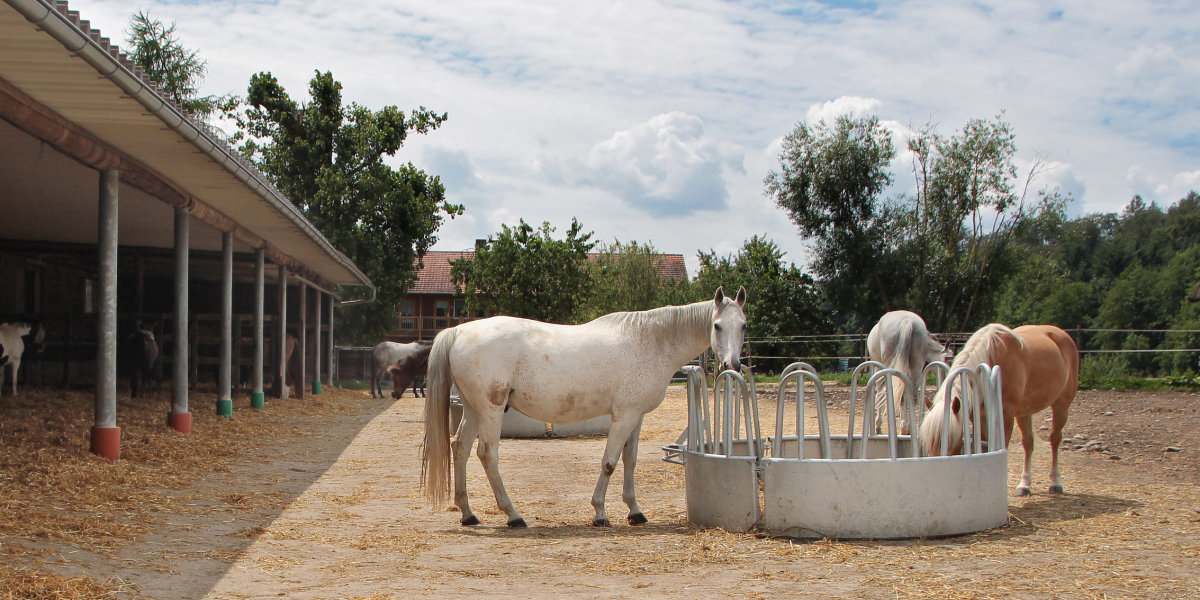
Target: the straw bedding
pixel 1128 527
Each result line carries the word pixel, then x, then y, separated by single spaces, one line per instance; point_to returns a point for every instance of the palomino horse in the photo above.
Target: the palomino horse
pixel 409 371
pixel 618 365
pixel 385 354
pixel 13 336
pixel 1039 368
pixel 901 341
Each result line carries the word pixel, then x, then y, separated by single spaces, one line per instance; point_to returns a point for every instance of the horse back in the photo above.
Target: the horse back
pixel 1047 363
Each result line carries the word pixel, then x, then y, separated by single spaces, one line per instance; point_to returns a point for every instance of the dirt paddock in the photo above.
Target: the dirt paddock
pixel 318 498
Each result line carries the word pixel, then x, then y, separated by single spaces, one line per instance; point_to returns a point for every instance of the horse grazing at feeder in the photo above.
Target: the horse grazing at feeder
pixel 16 335
pixel 1039 368
pixel 385 354
pixel 901 341
pixel 617 365
pixel 410 370
pixel 143 354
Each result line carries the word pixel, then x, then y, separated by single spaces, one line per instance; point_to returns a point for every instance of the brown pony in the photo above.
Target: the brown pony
pixel 1039 368
pixel 409 371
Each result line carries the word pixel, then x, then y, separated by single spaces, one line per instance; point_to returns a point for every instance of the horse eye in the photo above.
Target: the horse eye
pixel 717 326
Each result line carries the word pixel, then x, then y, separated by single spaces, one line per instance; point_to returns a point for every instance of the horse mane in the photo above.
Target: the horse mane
pixel 671 318
pixel 981 346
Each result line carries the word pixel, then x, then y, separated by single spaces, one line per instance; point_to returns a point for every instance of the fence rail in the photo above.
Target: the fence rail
pixel 846 348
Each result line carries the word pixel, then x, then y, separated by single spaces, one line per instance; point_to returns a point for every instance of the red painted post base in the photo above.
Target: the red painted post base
pixel 106 442
pixel 181 422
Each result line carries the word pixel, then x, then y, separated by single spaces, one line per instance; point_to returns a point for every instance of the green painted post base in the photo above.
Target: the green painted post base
pixel 317 387
pixel 256 400
pixel 225 408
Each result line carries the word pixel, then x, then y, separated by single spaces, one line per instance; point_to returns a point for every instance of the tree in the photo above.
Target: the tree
pixel 625 277
pixel 328 159
pixel 179 71
pixel 968 207
pixel 781 301
pixel 523 272
pixel 830 183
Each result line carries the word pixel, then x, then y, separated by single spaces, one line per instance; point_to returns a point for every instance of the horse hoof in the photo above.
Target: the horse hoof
pixel 471 520
pixel 517 523
pixel 637 519
pixel 601 523
pixel 1023 491
pixel 1056 488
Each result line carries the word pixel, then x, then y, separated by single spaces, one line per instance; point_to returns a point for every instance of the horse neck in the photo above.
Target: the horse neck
pixel 682 332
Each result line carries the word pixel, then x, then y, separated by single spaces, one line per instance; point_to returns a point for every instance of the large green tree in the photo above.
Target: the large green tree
pixel 781 301
pixel 329 159
pixel 628 276
pixel 830 183
pixel 525 272
pixel 176 69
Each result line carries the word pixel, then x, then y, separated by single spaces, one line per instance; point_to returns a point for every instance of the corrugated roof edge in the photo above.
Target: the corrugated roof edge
pixel 77 36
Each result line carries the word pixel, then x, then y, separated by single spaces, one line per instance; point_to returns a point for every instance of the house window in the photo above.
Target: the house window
pixel 406 308
pixel 460 308
pixel 443 308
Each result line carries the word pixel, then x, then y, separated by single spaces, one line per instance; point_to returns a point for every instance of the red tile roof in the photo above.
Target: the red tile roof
pixel 435 277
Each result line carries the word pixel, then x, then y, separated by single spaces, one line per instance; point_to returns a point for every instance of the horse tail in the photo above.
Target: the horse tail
pixel 435 451
pixel 901 361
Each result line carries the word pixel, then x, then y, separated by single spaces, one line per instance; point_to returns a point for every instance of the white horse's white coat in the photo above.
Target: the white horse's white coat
pixel 618 365
pixel 901 341
pixel 384 355
pixel 11 335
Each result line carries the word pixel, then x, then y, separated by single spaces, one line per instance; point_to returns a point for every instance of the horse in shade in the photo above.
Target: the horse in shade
pixel 143 355
pixel 385 354
pixel 16 335
pixel 410 370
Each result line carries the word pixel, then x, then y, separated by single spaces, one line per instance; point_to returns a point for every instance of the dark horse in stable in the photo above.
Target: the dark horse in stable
pixel 142 353
pixel 410 370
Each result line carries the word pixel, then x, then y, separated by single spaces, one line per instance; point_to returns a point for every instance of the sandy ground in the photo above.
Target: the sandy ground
pixel 332 509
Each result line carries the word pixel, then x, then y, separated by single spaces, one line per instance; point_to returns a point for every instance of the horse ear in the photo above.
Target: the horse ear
pixel 741 296
pixel 720 295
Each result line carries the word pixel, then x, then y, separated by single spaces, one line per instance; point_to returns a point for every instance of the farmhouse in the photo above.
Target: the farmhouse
pixel 119 208
pixel 433 303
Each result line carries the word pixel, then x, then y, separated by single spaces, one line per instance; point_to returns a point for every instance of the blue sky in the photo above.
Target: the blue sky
pixel 656 121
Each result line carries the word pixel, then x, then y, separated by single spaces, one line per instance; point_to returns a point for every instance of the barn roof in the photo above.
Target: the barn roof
pixel 71 104
pixel 434 277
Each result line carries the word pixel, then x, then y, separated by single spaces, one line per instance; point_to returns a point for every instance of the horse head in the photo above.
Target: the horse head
pixel 728 329
pixel 945 414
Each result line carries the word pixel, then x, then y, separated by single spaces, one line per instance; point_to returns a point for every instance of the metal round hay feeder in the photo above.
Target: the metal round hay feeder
pixel 863 486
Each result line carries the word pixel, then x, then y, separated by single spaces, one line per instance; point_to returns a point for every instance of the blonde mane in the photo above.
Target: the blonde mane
pixel 981 346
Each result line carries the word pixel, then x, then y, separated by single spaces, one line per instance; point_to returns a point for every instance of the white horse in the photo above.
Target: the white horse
pixel 618 365
pixel 12 334
pixel 901 341
pixel 386 354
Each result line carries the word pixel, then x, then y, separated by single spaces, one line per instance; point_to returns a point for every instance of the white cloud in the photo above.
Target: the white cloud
pixel 541 95
pixel 664 166
pixel 852 106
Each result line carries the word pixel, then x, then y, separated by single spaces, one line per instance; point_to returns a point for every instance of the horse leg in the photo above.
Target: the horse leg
pixel 1025 424
pixel 489 454
pixel 461 448
pixel 618 436
pixel 880 406
pixel 629 460
pixel 14 364
pixel 1056 428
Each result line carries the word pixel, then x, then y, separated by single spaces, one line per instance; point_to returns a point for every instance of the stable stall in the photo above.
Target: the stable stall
pixel 120 208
